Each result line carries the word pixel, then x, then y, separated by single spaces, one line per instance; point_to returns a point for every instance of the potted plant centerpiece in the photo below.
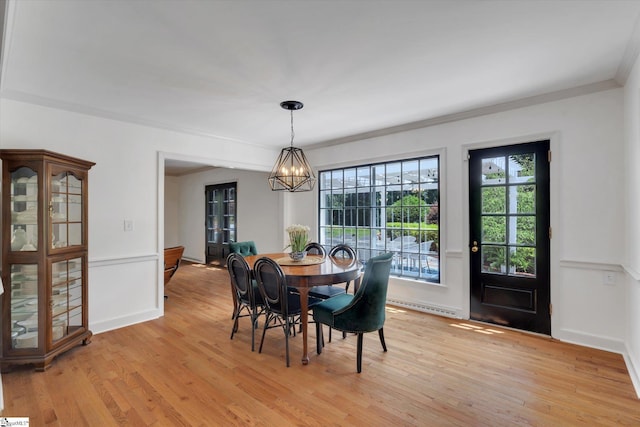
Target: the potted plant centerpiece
pixel 298 239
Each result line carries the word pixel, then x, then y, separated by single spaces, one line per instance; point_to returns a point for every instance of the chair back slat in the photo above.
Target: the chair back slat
pixel 272 284
pixel 240 274
pixel 314 248
pixel 343 251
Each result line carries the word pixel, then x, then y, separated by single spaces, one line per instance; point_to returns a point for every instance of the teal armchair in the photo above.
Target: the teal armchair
pixel 359 313
pixel 243 248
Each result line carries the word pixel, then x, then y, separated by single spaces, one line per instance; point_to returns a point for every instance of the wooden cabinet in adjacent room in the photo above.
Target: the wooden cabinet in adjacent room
pixel 44 256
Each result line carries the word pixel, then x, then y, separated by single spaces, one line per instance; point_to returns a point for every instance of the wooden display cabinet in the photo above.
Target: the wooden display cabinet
pixel 44 256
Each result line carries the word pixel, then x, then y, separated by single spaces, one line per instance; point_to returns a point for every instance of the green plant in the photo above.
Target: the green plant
pixel 298 237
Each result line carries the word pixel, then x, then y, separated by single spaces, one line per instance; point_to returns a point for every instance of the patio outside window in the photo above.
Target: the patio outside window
pixel 386 207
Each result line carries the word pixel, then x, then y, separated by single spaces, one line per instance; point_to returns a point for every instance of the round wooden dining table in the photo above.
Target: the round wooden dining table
pixel 314 270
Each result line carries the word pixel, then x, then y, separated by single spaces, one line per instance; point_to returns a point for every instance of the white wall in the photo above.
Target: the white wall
pixel 632 207
pixel 127 183
pixel 259 210
pixel 586 206
pixel 125 284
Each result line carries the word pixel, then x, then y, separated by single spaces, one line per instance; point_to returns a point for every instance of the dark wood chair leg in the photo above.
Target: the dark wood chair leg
pixel 319 338
pixel 234 328
pixel 286 340
pixel 253 332
pixel 381 333
pixel 359 356
pixel 264 331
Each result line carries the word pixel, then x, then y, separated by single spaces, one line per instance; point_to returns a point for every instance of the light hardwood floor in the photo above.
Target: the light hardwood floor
pixel 184 370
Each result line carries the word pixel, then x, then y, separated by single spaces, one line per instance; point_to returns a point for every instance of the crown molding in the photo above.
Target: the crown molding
pixel 42 101
pixel 630 56
pixel 476 112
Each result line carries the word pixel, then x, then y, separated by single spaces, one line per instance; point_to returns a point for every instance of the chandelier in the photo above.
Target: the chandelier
pixel 292 171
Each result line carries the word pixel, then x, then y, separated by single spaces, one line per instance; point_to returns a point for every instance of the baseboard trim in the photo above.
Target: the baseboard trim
pixel 121 322
pixel 633 371
pixel 427 308
pixel 589 340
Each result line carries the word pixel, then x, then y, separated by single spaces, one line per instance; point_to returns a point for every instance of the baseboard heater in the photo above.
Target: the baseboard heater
pixel 426 308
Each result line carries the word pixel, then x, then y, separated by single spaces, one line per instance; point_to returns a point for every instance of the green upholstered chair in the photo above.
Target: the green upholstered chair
pixel 359 313
pixel 243 248
pixel 325 292
pixel 247 294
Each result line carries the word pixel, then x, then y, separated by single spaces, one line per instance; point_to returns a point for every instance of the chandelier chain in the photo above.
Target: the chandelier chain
pixel 292 131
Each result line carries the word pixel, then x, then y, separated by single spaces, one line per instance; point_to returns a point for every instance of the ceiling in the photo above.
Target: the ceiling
pixel 221 68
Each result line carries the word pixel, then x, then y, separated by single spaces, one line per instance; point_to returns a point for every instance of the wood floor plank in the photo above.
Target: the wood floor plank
pixel 184 370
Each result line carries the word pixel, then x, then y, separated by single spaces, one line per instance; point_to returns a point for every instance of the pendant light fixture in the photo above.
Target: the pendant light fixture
pixel 292 171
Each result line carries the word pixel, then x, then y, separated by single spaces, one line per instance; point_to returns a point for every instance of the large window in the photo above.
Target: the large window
pixel 386 207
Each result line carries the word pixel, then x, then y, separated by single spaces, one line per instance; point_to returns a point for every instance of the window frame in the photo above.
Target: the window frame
pixel 352 211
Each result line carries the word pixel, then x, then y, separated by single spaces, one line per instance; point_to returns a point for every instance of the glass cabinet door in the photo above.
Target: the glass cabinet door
pixel 66 297
pixel 66 209
pixel 24 209
pixel 24 306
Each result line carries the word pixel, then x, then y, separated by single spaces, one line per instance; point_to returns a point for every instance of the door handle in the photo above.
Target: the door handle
pixel 474 247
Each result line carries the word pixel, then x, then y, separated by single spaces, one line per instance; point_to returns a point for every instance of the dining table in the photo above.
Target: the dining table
pixel 313 270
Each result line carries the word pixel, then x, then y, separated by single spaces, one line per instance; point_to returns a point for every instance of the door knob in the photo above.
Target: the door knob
pixel 474 247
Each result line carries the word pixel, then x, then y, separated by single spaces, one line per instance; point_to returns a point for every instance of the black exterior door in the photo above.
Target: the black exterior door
pixel 510 236
pixel 220 221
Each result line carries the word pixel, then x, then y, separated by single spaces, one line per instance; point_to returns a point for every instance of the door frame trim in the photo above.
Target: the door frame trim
pixel 554 138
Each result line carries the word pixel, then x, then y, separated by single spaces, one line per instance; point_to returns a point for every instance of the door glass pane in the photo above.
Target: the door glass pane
pixel 522 261
pixel 522 230
pixel 524 199
pixel 494 259
pixel 522 168
pixel 494 229
pixel 493 170
pixel 493 200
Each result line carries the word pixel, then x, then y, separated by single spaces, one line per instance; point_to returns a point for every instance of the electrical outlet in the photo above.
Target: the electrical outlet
pixel 609 278
pixel 128 225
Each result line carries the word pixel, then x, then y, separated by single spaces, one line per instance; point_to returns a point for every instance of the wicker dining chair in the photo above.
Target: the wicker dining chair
pixel 281 306
pixel 249 299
